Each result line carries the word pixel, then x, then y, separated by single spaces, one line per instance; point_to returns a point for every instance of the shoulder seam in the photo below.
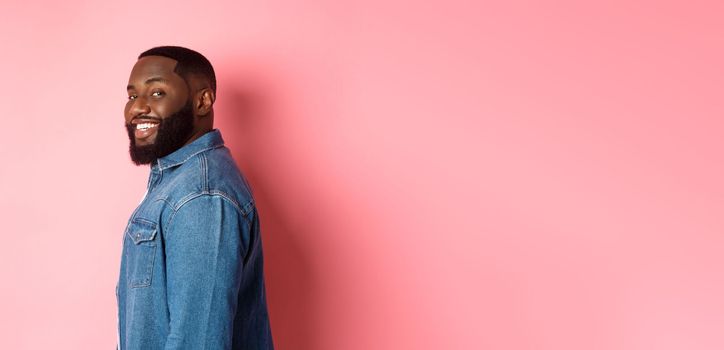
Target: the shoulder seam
pixel 244 210
pixel 204 172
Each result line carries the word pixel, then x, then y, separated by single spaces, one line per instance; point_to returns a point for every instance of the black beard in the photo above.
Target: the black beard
pixel 172 134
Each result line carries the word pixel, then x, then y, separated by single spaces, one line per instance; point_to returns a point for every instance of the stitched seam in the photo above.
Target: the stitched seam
pixel 181 202
pixel 145 221
pixel 221 194
pixel 244 211
pixel 204 173
pixel 164 200
pixel 148 271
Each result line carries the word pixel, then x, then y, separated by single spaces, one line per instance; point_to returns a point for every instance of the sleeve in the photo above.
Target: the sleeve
pixel 204 247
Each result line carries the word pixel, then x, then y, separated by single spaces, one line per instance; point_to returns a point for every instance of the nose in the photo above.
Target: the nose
pixel 138 107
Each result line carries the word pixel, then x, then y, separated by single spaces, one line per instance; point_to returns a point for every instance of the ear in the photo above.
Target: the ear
pixel 205 101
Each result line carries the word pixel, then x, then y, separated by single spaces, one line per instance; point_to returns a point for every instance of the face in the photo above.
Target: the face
pixel 158 115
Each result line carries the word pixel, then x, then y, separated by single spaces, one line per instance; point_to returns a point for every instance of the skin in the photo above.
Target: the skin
pixel 156 92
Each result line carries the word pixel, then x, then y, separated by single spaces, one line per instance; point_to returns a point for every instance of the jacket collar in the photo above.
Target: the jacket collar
pixel 207 141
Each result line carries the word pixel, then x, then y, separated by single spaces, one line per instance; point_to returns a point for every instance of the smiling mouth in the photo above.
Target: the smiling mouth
pixel 144 129
pixel 145 126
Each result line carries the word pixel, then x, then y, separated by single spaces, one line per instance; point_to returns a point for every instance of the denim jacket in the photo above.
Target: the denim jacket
pixel 192 268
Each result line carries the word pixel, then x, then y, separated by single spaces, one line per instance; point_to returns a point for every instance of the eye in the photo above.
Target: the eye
pixel 157 93
pixel 132 97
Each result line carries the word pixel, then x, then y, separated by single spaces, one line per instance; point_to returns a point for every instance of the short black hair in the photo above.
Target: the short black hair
pixel 189 62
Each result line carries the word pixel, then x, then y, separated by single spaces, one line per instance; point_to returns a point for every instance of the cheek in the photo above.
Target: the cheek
pixel 127 113
pixel 161 108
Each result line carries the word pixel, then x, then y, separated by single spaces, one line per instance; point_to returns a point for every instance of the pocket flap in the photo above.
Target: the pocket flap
pixel 141 231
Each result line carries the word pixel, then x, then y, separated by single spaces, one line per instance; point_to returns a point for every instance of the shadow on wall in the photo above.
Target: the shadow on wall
pixel 244 116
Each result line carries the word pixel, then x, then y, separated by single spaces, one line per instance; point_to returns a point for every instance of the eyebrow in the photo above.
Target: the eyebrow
pixel 149 81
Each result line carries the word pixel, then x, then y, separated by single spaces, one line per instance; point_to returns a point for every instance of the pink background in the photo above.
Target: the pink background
pixel 430 174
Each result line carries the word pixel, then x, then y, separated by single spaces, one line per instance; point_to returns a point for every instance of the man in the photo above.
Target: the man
pixel 192 269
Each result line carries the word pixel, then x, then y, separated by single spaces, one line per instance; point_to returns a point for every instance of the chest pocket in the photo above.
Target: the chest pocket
pixel 140 252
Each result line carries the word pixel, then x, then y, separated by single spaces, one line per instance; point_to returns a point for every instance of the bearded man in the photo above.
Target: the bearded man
pixel 192 274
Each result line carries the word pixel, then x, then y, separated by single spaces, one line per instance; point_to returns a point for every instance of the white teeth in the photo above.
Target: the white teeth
pixel 144 126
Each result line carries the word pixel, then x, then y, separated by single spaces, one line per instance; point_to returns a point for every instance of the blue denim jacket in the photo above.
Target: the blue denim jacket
pixel 192 268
